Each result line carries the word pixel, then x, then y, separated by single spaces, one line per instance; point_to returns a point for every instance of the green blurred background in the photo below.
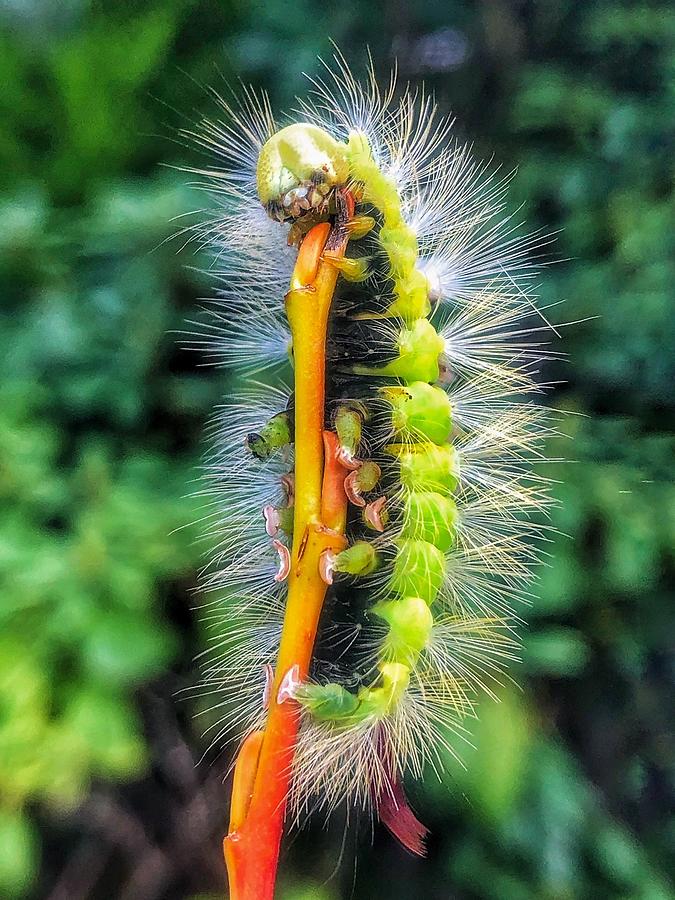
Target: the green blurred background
pixel 568 791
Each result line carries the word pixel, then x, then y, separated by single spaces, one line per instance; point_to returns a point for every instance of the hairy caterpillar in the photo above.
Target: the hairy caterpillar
pixel 373 505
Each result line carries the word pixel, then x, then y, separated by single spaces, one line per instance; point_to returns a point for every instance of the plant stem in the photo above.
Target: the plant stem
pixel 252 846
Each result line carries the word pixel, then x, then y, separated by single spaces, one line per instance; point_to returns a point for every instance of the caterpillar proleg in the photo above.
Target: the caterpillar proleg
pixel 377 500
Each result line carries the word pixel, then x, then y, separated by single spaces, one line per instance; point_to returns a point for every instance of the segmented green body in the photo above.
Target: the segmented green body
pixel 421 421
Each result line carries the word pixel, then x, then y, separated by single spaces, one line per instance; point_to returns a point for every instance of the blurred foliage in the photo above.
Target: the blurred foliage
pixel 568 786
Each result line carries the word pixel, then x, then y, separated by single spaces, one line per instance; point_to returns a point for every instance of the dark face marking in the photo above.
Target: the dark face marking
pixel 310 197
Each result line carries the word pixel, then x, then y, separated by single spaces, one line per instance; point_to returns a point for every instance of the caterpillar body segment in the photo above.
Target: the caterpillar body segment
pixel 430 427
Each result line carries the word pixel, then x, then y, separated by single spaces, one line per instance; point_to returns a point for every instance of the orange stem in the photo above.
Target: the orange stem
pixel 252 846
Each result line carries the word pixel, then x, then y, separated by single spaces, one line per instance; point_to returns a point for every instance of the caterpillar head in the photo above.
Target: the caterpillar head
pixel 298 169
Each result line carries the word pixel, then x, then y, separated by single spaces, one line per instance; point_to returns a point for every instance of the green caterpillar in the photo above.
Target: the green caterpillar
pixel 421 419
pixel 367 214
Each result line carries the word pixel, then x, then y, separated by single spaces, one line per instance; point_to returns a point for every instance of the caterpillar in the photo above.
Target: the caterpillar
pixel 373 487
